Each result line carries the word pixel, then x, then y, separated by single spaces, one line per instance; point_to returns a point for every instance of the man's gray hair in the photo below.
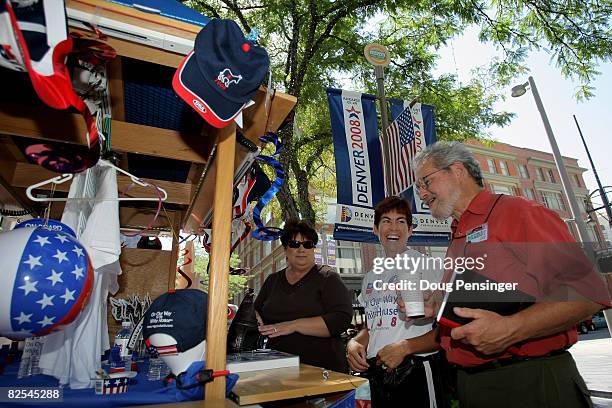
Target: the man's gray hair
pixel 443 154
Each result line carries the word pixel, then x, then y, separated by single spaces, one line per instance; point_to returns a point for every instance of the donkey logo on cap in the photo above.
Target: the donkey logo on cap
pixel 226 78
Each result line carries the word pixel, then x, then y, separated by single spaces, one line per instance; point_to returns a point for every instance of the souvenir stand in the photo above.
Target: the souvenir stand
pixel 194 162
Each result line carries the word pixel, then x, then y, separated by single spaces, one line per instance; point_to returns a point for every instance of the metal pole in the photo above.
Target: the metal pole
pixel 379 70
pixel 602 193
pixel 567 187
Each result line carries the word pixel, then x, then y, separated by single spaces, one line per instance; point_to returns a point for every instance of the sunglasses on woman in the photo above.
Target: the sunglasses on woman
pixel 296 244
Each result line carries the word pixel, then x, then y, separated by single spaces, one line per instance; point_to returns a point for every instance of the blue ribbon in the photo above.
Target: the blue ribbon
pixel 262 232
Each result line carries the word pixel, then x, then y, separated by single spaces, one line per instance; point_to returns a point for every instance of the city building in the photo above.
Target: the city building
pixel 507 169
pixel 533 174
pixel 604 223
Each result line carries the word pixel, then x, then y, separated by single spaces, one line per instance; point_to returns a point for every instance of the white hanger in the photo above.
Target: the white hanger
pixel 66 177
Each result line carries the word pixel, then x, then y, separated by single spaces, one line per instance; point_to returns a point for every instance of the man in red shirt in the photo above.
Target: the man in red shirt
pixel 517 359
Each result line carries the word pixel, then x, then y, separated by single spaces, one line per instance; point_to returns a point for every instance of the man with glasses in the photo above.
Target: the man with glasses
pixel 397 354
pixel 517 359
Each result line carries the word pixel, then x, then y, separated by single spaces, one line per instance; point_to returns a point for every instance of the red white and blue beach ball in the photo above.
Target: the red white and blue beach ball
pixel 46 278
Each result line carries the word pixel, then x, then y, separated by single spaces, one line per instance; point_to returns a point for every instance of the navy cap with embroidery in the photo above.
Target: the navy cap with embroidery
pixel 222 73
pixel 181 314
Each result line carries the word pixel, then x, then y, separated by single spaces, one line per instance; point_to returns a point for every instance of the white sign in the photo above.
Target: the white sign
pixel 357 145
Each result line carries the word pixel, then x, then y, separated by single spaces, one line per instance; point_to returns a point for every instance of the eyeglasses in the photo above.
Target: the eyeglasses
pixel 424 182
pixel 296 244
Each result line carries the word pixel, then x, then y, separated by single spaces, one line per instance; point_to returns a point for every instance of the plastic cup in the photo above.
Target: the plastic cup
pixel 411 294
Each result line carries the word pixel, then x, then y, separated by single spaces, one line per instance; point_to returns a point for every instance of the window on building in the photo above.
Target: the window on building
pixel 592 233
pixel 256 254
pixel 502 189
pixel 348 257
pixel 551 176
pixel 553 200
pixel 380 252
pixel 346 252
pixel 491 164
pixel 576 180
pixel 523 171
pixel 257 283
pixel 529 194
pixel 281 263
pixel 539 174
pixel 267 248
pixel 581 206
pixel 503 167
pixel 267 271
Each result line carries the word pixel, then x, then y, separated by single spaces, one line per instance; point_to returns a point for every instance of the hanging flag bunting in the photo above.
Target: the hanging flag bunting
pixel 359 172
pixel 34 38
pixel 262 232
pixel 415 124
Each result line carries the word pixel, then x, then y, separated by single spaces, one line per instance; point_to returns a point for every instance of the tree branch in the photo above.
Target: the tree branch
pixel 233 6
pixel 209 9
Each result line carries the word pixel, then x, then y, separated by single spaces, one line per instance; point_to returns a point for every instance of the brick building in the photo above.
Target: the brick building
pixel 533 174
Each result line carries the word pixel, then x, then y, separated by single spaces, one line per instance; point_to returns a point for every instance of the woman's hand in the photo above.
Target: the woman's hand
pixel 278 329
pixel 356 356
pixel 393 354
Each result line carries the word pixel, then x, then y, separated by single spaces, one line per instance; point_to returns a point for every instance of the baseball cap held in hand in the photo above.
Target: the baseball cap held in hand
pixel 222 73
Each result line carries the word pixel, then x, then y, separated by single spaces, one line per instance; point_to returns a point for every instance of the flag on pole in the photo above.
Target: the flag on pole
pixel 402 149
pixel 358 163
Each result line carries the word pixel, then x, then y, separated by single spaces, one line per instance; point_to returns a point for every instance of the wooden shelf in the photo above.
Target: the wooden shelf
pixel 208 184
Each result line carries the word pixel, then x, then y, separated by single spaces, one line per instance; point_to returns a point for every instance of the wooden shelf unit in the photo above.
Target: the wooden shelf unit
pixel 189 201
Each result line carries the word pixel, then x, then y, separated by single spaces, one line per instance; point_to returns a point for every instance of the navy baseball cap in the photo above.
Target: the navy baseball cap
pixel 181 314
pixel 222 73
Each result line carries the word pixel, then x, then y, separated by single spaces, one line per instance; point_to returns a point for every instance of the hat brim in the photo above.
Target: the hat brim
pixel 189 84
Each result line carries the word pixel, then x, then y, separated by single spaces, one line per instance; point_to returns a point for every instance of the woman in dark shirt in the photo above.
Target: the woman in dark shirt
pixel 304 308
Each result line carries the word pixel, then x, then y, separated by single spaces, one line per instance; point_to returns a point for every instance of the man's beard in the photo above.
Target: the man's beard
pixel 443 210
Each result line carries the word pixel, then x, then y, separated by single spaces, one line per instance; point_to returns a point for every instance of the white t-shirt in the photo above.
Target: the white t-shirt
pixel 385 323
pixel 73 354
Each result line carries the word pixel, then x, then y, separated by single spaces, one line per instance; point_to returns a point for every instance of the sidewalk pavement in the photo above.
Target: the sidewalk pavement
pixel 593 355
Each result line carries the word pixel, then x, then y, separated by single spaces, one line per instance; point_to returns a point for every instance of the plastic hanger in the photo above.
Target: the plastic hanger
pixel 163 195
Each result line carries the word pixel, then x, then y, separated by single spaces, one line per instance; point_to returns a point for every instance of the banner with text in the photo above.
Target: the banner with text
pixel 427 230
pixel 359 175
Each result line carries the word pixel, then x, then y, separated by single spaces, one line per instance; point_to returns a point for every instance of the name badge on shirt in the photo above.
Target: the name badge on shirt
pixel 478 234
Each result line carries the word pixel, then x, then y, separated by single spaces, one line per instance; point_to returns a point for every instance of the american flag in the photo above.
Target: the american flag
pixel 156 351
pixel 111 386
pixel 52 283
pixel 402 149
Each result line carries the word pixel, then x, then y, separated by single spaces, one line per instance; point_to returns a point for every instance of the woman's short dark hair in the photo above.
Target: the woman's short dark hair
pixel 393 203
pixel 294 227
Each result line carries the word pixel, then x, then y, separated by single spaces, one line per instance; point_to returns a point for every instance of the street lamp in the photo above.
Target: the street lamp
pixel 520 90
pixel 602 193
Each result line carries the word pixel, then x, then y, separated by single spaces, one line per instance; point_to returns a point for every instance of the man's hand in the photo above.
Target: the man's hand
pixel 489 332
pixel 431 300
pixel 356 355
pixel 392 354
pixel 278 329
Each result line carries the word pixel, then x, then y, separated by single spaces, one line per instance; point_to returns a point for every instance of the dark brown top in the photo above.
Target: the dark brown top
pixel 320 292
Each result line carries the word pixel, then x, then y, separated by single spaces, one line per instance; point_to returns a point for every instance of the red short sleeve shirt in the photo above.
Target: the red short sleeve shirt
pixel 524 243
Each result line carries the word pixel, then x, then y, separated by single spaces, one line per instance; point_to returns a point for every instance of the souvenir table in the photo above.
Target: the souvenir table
pixel 255 387
pixel 140 391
